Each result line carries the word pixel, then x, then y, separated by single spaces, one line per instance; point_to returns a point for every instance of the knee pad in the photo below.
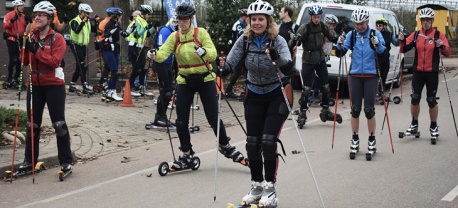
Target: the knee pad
pixel 60 127
pixel 415 99
pixel 269 146
pixel 182 126
pixel 253 147
pixel 36 129
pixel 370 112
pixel 431 102
pixel 355 111
pixel 306 91
pixel 325 88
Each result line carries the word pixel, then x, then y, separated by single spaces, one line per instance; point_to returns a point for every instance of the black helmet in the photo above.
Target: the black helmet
pixel 185 9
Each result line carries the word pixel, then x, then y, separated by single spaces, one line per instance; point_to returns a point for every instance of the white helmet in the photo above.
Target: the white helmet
pixel 146 9
pixel 18 3
pixel 85 8
pixel 360 15
pixel 426 13
pixel 44 6
pixel 260 7
pixel 331 19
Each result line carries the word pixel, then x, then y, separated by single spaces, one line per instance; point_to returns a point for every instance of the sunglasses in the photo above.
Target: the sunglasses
pixel 40 15
pixel 379 25
pixel 183 18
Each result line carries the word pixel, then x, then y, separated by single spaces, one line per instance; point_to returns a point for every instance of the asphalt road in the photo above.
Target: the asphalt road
pixel 418 174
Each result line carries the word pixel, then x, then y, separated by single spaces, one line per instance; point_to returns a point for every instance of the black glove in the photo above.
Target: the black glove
pixel 297 37
pixel 223 71
pixel 30 47
pixel 14 18
pixel 274 53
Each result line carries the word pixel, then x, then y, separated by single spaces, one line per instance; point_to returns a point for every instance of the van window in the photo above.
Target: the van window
pixel 393 24
pixel 344 16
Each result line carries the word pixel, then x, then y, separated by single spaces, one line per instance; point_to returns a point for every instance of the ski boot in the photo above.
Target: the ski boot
pixel 302 118
pixel 87 90
pixel 254 195
pixel 65 170
pixel 145 93
pixel 72 90
pixel 354 147
pixel 230 152
pixel 24 169
pixel 187 161
pixel 134 92
pixel 411 131
pixel 161 123
pixel 371 147
pixel 112 95
pixel 434 134
pixel 327 115
pixel 269 196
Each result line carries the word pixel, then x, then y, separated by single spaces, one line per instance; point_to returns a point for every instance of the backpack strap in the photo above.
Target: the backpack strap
pixel 194 35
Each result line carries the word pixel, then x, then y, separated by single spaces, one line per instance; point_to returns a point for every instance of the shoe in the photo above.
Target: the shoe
pixel 144 91
pixel 72 89
pixel 163 122
pixel 413 128
pixel 183 162
pixel 134 93
pixel 434 132
pixel 354 144
pixel 25 166
pixel 230 152
pixel 269 195
pixel 87 90
pixel 65 167
pixel 255 193
pixel 113 95
pixel 372 144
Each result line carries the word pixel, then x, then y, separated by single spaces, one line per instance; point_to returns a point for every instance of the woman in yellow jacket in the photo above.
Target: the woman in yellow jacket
pixel 192 45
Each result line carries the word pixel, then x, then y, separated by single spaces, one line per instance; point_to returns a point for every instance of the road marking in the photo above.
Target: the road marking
pixel 451 195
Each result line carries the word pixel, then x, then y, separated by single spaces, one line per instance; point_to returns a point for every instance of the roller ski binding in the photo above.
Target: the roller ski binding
pixel 72 90
pixel 161 124
pixel 411 131
pixel 252 198
pixel 328 115
pixel 354 148
pixel 434 134
pixel 302 118
pixel 184 162
pixel 231 153
pixel 379 100
pixel 65 170
pixel 111 95
pixel 24 169
pixel 371 147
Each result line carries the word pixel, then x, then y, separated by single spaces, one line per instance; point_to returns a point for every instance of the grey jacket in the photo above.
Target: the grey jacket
pixel 262 73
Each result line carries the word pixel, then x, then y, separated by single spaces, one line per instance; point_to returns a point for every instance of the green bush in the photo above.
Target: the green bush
pixel 8 119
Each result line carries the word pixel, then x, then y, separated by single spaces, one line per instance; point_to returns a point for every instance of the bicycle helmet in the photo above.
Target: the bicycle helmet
pixel 426 13
pixel 85 8
pixel 116 11
pixel 381 20
pixel 260 7
pixel 331 19
pixel 17 3
pixel 44 6
pixel 146 9
pixel 243 12
pixel 185 9
pixel 360 15
pixel 315 9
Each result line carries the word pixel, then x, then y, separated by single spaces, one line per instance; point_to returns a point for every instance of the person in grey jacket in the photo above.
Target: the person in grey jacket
pixel 267 59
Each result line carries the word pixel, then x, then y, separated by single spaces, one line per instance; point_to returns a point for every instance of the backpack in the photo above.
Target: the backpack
pixel 246 46
pixel 156 36
pixel 415 36
pixel 308 31
pixel 194 35
pixel 353 39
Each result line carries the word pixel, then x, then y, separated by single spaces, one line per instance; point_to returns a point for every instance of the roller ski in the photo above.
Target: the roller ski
pixel 252 198
pixel 111 95
pixel 327 115
pixel 230 152
pixel 184 162
pixel 161 124
pixel 24 169
pixel 65 170
pixel 145 93
pixel 434 134
pixel 302 118
pixel 354 148
pixel 72 90
pixel 411 131
pixel 379 100
pixel 232 95
pixel 371 147
pixel 316 102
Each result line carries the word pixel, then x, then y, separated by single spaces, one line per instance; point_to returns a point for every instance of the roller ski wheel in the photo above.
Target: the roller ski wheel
pixel 96 89
pixel 370 154
pixel 11 176
pixel 78 93
pixel 329 116
pixel 151 126
pixel 301 123
pixel 193 129
pixel 195 107
pixel 408 134
pixel 397 100
pixel 433 140
pixel 63 174
pixel 164 167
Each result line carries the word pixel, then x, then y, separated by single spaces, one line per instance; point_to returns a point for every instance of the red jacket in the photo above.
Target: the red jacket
pixel 17 28
pixel 427 55
pixel 47 59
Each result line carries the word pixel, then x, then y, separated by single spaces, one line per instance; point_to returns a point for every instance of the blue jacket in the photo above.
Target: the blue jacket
pixel 363 57
pixel 164 33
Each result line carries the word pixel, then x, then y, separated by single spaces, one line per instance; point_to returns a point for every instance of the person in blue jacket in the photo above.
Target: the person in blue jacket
pixel 362 81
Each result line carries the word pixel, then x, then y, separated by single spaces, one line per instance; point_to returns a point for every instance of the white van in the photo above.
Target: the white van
pixel 343 13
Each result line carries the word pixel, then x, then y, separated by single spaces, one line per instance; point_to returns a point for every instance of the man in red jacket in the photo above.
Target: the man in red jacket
pixel 429 44
pixel 14 25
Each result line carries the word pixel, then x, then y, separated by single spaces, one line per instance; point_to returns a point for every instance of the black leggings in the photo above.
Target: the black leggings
pixel 184 100
pixel 384 62
pixel 80 58
pixel 138 60
pixel 14 62
pixel 420 79
pixel 264 115
pixel 54 97
pixel 308 75
pixel 164 76
pixel 360 87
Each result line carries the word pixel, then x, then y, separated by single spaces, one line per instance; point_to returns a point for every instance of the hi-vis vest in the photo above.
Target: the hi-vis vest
pixel 131 39
pixel 143 24
pixel 81 38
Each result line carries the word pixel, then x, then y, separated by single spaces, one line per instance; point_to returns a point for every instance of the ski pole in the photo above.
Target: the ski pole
pixel 298 134
pixel 448 93
pixel 32 123
pixel 218 126
pixel 383 93
pixel 391 88
pixel 337 97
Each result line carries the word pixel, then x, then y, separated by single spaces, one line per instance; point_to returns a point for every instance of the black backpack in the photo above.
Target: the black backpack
pixel 156 36
pixel 353 39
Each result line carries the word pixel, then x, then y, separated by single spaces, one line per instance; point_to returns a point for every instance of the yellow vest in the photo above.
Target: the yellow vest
pixel 143 24
pixel 131 37
pixel 81 38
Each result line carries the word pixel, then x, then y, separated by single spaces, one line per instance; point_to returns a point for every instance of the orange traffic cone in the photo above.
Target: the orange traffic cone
pixel 127 99
pixel 219 83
